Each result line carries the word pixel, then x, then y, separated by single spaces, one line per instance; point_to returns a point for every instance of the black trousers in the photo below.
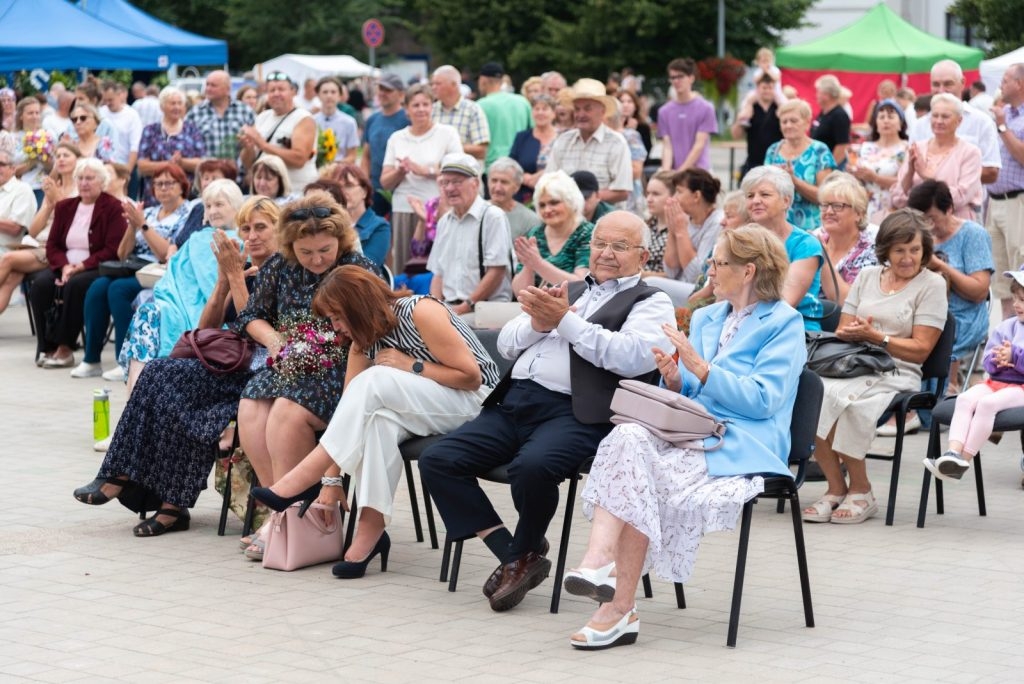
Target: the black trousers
pixel 42 289
pixel 535 432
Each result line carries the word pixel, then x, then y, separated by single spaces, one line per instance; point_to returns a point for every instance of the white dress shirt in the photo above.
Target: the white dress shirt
pixel 627 352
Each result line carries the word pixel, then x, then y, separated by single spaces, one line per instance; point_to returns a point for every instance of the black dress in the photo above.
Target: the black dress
pixel 282 288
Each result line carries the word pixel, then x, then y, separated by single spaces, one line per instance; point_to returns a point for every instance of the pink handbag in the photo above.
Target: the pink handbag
pixel 666 414
pixel 293 542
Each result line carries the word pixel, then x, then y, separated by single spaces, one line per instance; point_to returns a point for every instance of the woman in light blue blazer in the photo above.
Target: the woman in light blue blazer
pixel 653 500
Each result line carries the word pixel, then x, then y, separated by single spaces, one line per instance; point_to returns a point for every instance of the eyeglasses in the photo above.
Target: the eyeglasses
pixel 835 206
pixel 617 247
pixel 304 214
pixel 80 119
pixel 718 263
pixel 677 77
pixel 452 182
pixel 164 185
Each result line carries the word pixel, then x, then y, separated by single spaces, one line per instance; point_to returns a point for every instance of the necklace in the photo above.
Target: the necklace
pixel 891 289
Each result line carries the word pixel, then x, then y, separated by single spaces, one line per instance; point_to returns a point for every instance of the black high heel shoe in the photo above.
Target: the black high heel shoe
pixel 355 569
pixel 279 503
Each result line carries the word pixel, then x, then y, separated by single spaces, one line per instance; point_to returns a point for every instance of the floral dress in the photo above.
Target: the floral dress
pixel 575 253
pixel 885 161
pixel 285 290
pixel 157 146
pixel 815 159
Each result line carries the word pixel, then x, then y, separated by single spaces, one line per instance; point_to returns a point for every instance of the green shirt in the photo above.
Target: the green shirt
pixel 507 114
pixel 575 253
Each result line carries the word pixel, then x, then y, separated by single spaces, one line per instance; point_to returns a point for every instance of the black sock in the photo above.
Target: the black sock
pixel 499 542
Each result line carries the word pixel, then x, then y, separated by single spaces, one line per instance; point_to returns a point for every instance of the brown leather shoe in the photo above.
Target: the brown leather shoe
pixel 517 578
pixel 491 585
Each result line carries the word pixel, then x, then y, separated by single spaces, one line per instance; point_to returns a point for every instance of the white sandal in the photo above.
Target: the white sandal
pixel 597 585
pixel 858 513
pixel 623 632
pixel 823 508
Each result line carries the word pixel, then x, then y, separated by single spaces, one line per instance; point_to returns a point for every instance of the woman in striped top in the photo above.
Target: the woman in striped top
pixel 414 369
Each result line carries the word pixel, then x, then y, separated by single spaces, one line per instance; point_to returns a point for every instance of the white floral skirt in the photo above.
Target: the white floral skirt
pixel 665 492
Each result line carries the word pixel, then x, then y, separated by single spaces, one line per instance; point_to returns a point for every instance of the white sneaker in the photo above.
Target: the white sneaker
pixel 101 445
pixel 950 466
pixel 115 374
pixel 912 426
pixel 87 370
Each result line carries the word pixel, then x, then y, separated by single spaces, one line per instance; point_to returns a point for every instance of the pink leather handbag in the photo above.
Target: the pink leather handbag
pixel 666 414
pixel 294 542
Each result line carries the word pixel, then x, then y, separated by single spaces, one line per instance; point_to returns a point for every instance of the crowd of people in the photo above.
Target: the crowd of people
pixel 358 274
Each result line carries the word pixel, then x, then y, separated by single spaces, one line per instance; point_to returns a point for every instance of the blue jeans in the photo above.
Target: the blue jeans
pixel 106 298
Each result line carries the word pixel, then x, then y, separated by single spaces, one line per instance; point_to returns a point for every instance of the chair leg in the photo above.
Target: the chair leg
pixel 940 503
pixel 741 565
pixel 780 506
pixel 979 484
pixel 456 562
pixel 894 479
pixel 413 502
pixel 932 452
pixel 648 591
pixel 446 557
pixel 563 544
pixel 801 559
pixel 225 505
pixel 428 508
pixel 680 596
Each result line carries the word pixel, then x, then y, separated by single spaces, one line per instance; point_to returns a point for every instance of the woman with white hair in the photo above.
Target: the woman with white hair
pixel 559 249
pixel 943 157
pixel 769 192
pixel 181 294
pixel 172 140
pixel 86 230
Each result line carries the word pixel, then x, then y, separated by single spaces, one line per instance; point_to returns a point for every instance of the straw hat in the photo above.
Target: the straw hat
pixel 592 89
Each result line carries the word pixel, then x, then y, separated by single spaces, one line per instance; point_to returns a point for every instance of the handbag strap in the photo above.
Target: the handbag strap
pixel 835 286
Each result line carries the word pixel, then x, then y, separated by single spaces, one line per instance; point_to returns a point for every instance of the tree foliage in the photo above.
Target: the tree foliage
pixel 582 38
pixel 997 21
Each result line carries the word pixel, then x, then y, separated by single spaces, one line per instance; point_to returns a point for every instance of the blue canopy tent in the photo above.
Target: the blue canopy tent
pixel 54 34
pixel 181 46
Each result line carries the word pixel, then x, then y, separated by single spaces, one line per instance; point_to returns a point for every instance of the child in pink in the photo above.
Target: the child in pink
pixel 976 408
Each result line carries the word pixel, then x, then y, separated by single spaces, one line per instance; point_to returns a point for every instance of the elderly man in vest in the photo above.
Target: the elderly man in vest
pixel 572 345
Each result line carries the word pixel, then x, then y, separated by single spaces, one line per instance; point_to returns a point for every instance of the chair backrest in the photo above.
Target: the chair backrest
pixel 489 339
pixel 804 426
pixel 937 364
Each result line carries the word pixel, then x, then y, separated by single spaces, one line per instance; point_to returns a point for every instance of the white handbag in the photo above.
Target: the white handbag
pixel 150 274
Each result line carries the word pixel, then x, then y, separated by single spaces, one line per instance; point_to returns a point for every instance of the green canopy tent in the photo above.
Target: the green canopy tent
pixel 880 45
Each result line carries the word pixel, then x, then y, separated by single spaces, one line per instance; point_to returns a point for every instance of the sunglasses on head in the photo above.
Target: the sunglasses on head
pixel 278 76
pixel 303 214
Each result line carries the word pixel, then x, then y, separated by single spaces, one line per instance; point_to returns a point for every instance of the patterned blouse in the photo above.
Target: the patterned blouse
pixel 157 146
pixel 659 238
pixel 885 161
pixel 406 338
pixel 815 159
pixel 575 253
pixel 862 254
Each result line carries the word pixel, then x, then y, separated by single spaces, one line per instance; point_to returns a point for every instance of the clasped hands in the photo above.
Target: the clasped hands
pixel 546 305
pixel 860 330
pixel 1003 355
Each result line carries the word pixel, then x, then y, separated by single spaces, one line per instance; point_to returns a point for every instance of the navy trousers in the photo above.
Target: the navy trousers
pixel 535 432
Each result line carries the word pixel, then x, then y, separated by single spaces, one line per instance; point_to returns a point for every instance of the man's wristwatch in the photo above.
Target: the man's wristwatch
pixel 1002 128
pixel 144 227
pixel 417 367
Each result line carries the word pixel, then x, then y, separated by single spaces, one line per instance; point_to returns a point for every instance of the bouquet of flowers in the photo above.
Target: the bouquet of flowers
pixel 38 145
pixel 312 348
pixel 326 147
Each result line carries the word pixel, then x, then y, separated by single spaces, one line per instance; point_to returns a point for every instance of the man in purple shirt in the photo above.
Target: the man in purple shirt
pixel 685 123
pixel 1005 220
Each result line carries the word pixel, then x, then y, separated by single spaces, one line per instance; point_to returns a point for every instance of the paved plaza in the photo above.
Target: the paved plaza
pixel 82 600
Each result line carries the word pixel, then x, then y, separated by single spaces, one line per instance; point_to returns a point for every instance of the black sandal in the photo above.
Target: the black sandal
pixel 92 493
pixel 151 527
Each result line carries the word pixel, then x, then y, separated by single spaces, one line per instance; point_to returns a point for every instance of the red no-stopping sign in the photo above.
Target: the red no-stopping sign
pixel 373 33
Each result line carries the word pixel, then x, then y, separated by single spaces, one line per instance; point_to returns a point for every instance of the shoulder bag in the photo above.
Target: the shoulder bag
pixel 831 357
pixel 123 268
pixel 221 351
pixel 293 542
pixel 665 414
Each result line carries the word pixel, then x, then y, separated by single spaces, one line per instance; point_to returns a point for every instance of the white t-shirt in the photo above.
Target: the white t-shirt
pixel 18 204
pixel 267 123
pixel 127 126
pixel 428 150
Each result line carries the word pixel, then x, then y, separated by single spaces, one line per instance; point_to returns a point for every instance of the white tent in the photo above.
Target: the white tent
pixel 992 69
pixel 301 67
